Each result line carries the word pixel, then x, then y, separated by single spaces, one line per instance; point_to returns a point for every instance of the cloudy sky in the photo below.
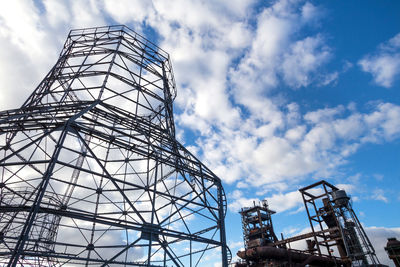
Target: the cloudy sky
pixel 272 95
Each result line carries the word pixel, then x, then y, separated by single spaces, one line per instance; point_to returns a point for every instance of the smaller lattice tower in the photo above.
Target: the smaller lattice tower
pixel 336 226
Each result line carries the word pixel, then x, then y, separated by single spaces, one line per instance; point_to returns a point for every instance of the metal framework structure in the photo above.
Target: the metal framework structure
pixel 91 172
pixel 335 225
pixel 393 250
pixel 262 247
pixel 257 225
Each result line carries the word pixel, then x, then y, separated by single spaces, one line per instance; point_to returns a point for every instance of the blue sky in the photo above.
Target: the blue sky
pixel 272 95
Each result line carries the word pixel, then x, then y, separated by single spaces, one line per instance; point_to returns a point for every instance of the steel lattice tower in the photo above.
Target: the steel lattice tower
pixel 334 224
pixel 91 172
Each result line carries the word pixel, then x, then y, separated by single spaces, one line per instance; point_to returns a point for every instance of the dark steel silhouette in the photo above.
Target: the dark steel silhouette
pixel 335 225
pixel 91 172
pixel 337 238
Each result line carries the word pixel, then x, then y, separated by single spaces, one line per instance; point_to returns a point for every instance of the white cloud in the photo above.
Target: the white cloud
pixel 240 201
pixel 32 39
pixel 303 59
pixel 384 123
pixel 27 51
pixel 126 11
pixel 330 78
pixel 57 12
pixel 281 202
pixel 278 202
pixel 317 143
pixel 379 194
pixel 384 64
pixel 277 55
pixel 312 14
pixel 296 133
pixel 90 16
pixel 323 115
pixel 384 68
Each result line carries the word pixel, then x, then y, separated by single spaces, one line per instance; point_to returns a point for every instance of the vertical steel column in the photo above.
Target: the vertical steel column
pixel 221 224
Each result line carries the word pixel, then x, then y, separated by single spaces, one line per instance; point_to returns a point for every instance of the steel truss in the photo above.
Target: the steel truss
pixel 91 172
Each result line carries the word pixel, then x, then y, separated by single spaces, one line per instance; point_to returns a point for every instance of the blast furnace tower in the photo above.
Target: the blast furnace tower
pixel 91 172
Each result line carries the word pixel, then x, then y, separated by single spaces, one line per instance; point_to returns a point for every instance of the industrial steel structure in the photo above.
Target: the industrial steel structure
pixel 336 239
pixel 257 225
pixel 262 247
pixel 91 171
pixel 393 250
pixel 330 213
